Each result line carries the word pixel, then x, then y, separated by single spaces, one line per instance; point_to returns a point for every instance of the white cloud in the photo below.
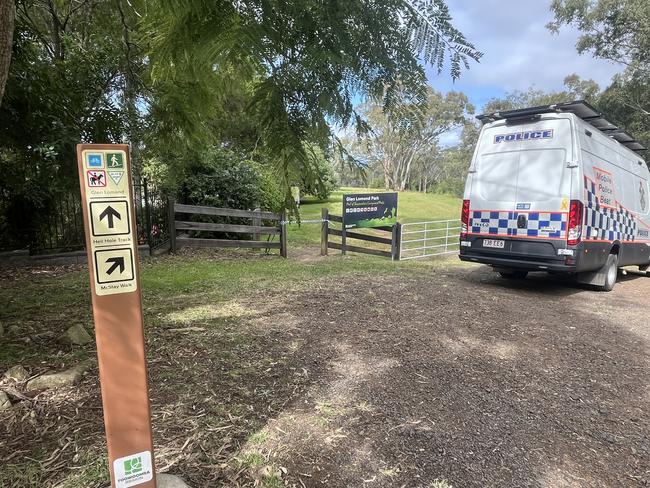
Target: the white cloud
pixel 519 51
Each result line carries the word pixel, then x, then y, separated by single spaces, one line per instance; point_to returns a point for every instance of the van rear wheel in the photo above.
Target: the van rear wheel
pixel 611 273
pixel 514 274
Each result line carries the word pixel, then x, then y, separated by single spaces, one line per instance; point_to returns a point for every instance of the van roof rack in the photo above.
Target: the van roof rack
pixel 581 109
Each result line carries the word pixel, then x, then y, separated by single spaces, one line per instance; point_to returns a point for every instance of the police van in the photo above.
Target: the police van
pixel 556 188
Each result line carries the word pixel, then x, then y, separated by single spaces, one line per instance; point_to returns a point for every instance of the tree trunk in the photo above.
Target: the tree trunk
pixel 7 19
pixel 386 177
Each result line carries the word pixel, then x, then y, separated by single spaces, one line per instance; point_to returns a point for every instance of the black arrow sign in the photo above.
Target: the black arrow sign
pixel 117 262
pixel 109 213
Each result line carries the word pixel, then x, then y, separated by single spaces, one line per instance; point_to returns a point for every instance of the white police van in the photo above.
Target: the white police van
pixel 556 188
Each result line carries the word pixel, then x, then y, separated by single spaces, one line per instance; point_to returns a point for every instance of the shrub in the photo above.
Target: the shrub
pixel 222 178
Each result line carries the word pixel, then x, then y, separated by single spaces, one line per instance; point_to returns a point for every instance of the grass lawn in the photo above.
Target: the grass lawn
pixel 212 388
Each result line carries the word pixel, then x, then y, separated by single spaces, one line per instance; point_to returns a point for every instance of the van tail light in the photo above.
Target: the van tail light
pixel 574 234
pixel 464 220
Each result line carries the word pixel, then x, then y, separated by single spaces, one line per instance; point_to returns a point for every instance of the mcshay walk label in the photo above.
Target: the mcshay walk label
pixel 109 209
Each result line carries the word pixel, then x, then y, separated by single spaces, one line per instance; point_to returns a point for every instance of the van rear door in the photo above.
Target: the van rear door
pixel 522 184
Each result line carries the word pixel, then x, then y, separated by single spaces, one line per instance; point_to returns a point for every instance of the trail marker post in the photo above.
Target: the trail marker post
pixel 111 245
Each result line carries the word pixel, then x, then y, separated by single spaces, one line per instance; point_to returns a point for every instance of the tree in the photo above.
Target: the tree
pixel 305 63
pixel 7 16
pixel 627 102
pixel 455 162
pixel 576 89
pixel 67 84
pixel 408 132
pixel 616 30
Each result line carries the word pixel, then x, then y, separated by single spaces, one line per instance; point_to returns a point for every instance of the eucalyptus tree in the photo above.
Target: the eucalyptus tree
pixel 406 134
pixel 616 30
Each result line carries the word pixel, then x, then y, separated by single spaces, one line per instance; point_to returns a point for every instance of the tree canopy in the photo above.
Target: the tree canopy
pixel 264 79
pixel 304 63
pixel 616 30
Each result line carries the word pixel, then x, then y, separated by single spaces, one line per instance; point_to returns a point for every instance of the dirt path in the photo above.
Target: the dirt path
pixel 466 378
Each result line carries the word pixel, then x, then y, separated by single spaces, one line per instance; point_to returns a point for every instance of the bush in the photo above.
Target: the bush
pixel 222 178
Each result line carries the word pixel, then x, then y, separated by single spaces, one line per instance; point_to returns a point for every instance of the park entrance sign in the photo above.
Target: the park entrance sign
pixel 111 245
pixel 369 210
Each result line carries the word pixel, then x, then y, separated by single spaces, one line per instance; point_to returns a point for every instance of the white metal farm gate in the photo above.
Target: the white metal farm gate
pixel 430 238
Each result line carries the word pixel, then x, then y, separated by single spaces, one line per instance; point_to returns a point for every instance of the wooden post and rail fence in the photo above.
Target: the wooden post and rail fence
pixel 261 234
pixel 392 240
pixel 401 241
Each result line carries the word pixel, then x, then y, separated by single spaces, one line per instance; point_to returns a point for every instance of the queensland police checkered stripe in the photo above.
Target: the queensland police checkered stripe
pixel 605 223
pixel 539 224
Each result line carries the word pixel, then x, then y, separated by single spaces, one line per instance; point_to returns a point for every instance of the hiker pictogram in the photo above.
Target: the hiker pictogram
pixel 115 161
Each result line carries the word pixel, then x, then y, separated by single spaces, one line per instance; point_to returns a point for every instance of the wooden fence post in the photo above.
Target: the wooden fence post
pixel 396 242
pixel 256 221
pixel 283 234
pixel 172 225
pixel 324 231
pixel 343 237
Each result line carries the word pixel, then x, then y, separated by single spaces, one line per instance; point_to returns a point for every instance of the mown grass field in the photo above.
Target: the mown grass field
pixel 57 439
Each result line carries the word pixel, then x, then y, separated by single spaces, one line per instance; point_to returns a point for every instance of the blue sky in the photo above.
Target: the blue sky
pixel 519 51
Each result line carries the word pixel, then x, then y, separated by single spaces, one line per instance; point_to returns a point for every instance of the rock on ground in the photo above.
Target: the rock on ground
pixel 170 481
pixel 58 380
pixel 17 373
pixel 4 401
pixel 78 335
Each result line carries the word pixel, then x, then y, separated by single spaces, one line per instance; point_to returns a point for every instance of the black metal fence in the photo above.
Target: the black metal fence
pixel 62 229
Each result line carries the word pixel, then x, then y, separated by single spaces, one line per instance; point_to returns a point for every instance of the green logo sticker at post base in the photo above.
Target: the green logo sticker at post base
pixel 133 465
pixel 132 470
pixel 115 161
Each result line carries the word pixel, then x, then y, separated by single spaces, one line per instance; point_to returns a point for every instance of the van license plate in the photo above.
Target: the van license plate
pixel 494 243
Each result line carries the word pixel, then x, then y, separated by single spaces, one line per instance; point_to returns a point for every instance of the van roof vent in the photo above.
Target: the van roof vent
pixel 581 109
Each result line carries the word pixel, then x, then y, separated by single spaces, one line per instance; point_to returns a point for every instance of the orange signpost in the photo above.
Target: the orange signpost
pixel 111 245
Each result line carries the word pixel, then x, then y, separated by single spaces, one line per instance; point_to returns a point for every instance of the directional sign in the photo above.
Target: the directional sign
pixel 111 245
pixel 110 218
pixel 114 266
pixel 109 211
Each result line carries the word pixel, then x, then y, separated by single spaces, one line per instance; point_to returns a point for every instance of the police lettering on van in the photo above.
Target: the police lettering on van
pixel 524 136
